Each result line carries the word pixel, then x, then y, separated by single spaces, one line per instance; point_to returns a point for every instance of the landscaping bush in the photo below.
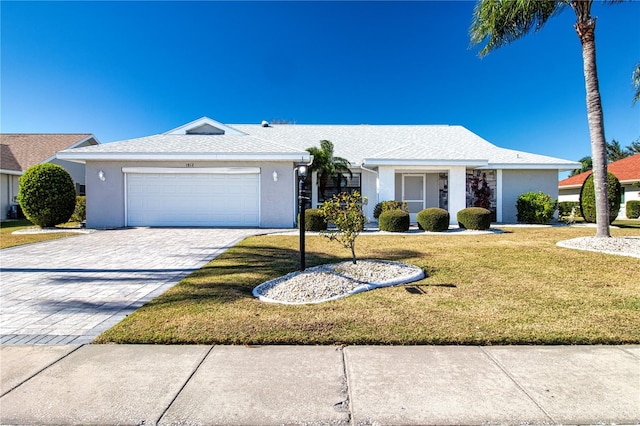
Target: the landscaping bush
pixel 476 218
pixel 433 219
pixel 384 206
pixel 566 207
pixel 535 207
pixel 633 209
pixel 47 195
pixel 394 221
pixel 588 198
pixel 314 220
pixel 80 212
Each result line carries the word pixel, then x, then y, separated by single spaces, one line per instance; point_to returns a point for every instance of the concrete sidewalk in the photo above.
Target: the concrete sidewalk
pixel 358 385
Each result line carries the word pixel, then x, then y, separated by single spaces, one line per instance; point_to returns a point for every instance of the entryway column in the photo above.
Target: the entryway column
pixel 457 192
pixel 386 183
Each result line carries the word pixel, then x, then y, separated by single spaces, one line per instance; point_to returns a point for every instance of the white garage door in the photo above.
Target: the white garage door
pixel 225 197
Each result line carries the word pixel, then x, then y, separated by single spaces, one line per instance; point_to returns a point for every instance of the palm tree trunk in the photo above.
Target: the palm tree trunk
pixel 586 32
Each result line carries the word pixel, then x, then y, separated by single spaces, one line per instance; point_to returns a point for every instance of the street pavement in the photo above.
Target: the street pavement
pixel 318 385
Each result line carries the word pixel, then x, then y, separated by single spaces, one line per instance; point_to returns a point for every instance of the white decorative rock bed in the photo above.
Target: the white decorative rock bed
pixel 334 281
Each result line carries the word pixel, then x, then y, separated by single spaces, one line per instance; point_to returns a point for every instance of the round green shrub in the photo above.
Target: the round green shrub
pixel 433 219
pixel 377 210
pixel 588 198
pixel 383 206
pixel 394 221
pixel 47 195
pixel 314 220
pixel 476 218
pixel 535 207
pixel 80 212
pixel 633 209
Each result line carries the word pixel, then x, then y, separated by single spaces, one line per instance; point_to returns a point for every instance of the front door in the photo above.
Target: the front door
pixel 413 190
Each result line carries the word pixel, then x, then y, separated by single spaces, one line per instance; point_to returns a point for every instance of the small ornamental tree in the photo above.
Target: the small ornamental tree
pixel 345 212
pixel 47 195
pixel 481 192
pixel 588 198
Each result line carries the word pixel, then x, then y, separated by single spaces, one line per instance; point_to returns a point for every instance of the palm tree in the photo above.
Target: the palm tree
pixel 636 82
pixel 615 152
pixel 327 165
pixel 587 165
pixel 500 22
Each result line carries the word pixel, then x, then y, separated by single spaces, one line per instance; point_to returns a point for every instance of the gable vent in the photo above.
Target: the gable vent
pixel 205 129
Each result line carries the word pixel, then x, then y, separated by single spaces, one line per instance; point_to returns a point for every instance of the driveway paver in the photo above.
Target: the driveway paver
pixel 68 291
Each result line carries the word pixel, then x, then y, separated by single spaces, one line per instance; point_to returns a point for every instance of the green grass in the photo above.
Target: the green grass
pixel 8 239
pixel 511 288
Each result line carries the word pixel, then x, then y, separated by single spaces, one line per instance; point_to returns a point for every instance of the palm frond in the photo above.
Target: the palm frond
pixel 497 23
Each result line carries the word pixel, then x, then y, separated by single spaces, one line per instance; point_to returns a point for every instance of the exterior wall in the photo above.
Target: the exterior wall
pixel 433 190
pixel 106 199
pixel 5 195
pixel 516 182
pixel 570 194
pixel 76 170
pixel 9 186
pixel 369 186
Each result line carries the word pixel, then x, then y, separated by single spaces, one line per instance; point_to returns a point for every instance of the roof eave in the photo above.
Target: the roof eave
pixel 538 166
pixel 94 156
pixel 404 162
pixel 11 172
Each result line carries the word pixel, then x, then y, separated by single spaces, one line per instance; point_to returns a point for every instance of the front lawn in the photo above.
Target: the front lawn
pixel 511 288
pixel 8 239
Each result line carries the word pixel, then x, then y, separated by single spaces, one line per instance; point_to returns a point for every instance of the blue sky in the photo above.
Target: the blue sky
pixel 122 70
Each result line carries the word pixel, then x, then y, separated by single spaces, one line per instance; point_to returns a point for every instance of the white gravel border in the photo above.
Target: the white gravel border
pixel 382 274
pixel 621 246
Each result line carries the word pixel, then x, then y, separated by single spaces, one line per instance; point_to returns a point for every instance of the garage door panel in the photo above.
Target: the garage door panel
pixel 193 199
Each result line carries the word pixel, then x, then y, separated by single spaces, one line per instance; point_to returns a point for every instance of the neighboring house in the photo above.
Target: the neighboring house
pixel 206 173
pixel 19 151
pixel 626 170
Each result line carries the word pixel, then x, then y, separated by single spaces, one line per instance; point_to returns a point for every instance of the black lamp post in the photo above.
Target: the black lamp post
pixel 302 177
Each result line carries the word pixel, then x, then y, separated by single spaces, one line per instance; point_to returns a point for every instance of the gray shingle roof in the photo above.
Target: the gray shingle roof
pixel 192 144
pixel 368 143
pixel 360 144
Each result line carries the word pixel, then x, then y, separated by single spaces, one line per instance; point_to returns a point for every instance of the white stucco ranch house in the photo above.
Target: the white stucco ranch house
pixel 206 173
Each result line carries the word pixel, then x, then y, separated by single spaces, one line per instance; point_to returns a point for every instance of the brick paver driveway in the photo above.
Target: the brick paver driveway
pixel 70 290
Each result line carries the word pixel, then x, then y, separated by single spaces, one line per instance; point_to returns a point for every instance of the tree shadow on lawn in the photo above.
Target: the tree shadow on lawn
pixel 233 275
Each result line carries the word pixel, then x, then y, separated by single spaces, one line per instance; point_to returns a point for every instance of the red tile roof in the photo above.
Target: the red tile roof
pixel 627 169
pixel 20 151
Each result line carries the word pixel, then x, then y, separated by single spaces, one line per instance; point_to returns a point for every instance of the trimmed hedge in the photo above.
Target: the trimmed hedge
pixel 475 218
pixel 384 206
pixel 433 219
pixel 588 198
pixel 535 207
pixel 47 195
pixel 314 220
pixel 394 221
pixel 633 209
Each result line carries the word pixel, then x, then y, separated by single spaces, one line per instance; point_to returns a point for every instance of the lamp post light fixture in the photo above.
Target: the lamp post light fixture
pixel 302 169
